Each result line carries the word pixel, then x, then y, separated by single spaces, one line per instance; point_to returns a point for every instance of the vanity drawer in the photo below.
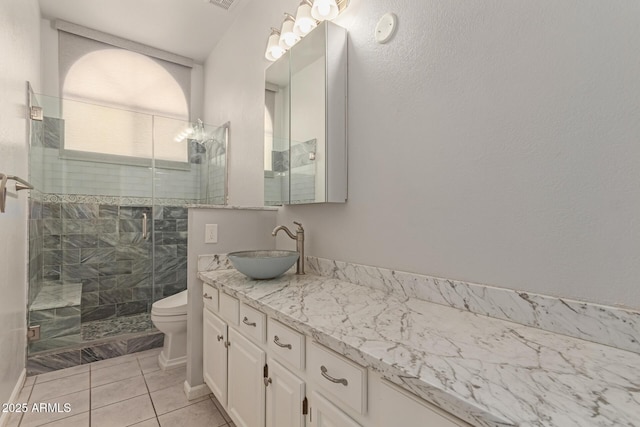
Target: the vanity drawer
pixel 286 344
pixel 252 323
pixel 229 308
pixel 210 297
pixel 346 380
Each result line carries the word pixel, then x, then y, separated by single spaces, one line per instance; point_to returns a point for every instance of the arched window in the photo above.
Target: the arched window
pixel 118 102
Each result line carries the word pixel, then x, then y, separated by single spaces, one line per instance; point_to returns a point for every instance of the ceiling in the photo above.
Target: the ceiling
pixel 189 28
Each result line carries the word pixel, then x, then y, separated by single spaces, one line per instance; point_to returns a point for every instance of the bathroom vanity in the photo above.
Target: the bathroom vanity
pixel 267 374
pixel 317 350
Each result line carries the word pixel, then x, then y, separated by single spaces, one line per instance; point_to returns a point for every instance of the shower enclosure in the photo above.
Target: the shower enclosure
pixel 108 224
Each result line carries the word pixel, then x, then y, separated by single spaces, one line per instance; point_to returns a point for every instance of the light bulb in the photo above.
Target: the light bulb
pixel 304 21
pixel 274 50
pixel 324 9
pixel 287 36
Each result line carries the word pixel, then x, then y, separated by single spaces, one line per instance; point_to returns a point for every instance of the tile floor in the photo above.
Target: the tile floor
pixel 124 391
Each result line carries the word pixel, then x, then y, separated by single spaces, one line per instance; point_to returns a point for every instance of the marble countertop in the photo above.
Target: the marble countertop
pixel 486 371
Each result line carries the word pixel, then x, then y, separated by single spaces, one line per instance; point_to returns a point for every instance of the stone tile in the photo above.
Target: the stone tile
pixel 115 268
pixel 80 420
pixel 52 362
pixel 103 351
pixel 59 387
pixel 202 414
pixel 117 391
pixel 114 296
pixel 172 398
pixel 62 373
pixel 77 241
pixel 79 210
pixel 124 413
pixel 79 403
pixel 162 379
pixel 135 345
pixel 97 255
pixel 132 307
pixel 98 313
pixel 108 211
pixel 115 373
pixel 172 212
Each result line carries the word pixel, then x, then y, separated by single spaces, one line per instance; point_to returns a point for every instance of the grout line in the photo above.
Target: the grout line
pixel 148 391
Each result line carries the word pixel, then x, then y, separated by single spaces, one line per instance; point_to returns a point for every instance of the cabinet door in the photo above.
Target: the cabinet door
pixel 215 355
pixel 246 405
pixel 323 413
pixel 399 407
pixel 285 394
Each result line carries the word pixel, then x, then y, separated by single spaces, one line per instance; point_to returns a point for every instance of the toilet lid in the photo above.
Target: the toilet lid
pixel 171 306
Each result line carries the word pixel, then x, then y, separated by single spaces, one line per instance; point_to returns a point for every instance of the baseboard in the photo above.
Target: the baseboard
pixel 4 416
pixel 196 391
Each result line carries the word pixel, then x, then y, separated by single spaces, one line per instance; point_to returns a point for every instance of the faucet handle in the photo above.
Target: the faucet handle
pixel 299 224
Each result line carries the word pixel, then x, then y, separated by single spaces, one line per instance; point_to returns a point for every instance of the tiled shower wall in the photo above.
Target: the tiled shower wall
pixel 102 247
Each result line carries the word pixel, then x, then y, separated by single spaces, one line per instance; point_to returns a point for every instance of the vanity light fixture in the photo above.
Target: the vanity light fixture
pixel 307 16
pixel 287 36
pixel 304 21
pixel 274 50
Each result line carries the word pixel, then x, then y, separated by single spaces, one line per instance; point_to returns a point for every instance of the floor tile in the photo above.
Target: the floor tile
pixel 14 419
pixel 79 403
pixel 148 353
pixel 149 364
pixel 220 408
pixel 115 373
pixel 80 420
pixel 62 373
pixel 59 387
pixel 29 381
pixel 162 379
pixel 153 422
pixel 203 414
pixel 171 398
pixel 112 362
pixel 117 391
pixel 124 413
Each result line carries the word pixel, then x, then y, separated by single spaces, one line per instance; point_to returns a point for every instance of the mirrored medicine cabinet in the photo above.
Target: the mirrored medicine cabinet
pixel 305 144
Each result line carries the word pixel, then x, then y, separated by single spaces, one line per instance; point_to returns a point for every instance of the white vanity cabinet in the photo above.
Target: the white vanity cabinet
pixel 246 404
pixel 215 355
pixel 324 413
pixel 391 406
pixel 286 400
pixel 267 374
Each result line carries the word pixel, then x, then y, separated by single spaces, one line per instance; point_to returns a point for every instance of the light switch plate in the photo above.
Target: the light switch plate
pixel 211 233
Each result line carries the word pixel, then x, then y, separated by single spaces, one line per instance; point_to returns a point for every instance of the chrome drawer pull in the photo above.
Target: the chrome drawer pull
pixel 279 344
pixel 220 337
pixel 342 381
pixel 207 296
pixel 246 322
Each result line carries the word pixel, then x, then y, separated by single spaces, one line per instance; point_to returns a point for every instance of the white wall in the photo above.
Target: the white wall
pixel 490 141
pixel 238 230
pixel 19 44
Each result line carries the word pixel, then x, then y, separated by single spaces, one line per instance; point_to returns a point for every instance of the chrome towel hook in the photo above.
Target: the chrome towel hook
pixel 21 184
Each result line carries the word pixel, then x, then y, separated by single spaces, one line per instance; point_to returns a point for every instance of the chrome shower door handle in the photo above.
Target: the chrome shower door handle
pixel 145 234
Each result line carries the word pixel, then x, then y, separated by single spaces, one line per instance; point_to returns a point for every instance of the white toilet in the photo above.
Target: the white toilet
pixel 169 315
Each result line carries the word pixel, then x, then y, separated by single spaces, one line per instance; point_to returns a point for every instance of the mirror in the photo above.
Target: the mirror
pixel 305 121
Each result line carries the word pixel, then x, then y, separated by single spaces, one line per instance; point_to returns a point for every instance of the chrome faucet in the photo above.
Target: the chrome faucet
pixel 299 238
